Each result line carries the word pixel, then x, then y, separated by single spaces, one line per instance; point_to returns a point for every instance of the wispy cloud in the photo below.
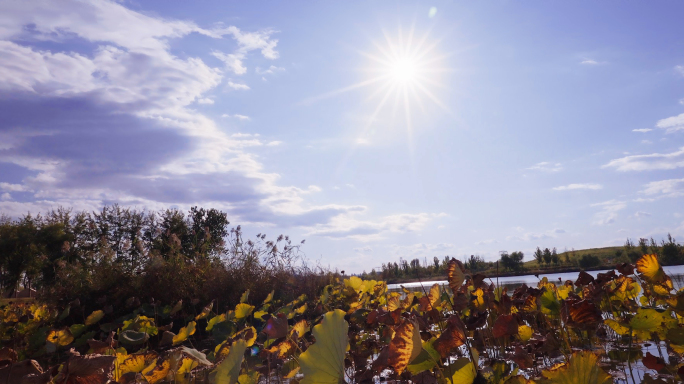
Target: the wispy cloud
pixel 237 86
pixel 653 161
pixel 350 226
pixel 665 188
pixel 609 211
pixel 205 100
pixel 535 236
pixel 546 166
pixel 589 62
pixel 642 130
pixel 270 70
pixel 236 116
pixel 247 41
pixel 578 186
pixel 672 124
pixel 274 143
pixel 363 250
pixel 679 69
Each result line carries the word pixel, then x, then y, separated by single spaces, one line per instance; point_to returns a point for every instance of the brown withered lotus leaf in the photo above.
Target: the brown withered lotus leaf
pixel 523 358
pixel 520 292
pixel 14 373
pixel 477 320
pixel 582 314
pixel 455 275
pixel 625 268
pixel 430 300
pixel 460 301
pixel 503 306
pixel 390 318
pixel 478 280
pixel 382 361
pixel 453 336
pixel 43 378
pixel 276 327
pixel 88 369
pixel 404 347
pixel 8 354
pixel 603 278
pixel 584 279
pixel 505 326
pixel 653 362
pixel 372 317
pixel 593 292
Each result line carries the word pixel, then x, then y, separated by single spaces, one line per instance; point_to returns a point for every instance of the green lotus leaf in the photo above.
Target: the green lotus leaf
pixel 229 370
pixel 323 362
pixel 427 359
pixel 549 303
pixel 77 329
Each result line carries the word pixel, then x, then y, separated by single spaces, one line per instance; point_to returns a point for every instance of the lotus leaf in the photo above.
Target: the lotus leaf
pixel 323 362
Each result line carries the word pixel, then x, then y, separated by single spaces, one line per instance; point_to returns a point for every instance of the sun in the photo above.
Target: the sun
pixel 403 70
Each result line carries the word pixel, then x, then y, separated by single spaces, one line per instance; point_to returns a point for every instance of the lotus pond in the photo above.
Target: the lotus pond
pixel 618 326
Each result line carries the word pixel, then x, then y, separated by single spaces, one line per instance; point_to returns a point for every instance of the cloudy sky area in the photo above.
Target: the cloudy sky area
pixel 531 124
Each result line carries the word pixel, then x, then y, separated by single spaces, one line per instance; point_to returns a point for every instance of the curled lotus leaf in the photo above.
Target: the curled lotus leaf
pixel 650 269
pixel 323 362
pixel 184 333
pixel 455 275
pixel 136 363
pixel 582 314
pixel 505 326
pixel 582 368
pixel 300 329
pixel 133 338
pixel 215 320
pixel 157 371
pixel 205 311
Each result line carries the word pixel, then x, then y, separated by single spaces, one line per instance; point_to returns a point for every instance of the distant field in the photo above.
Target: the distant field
pixel 603 253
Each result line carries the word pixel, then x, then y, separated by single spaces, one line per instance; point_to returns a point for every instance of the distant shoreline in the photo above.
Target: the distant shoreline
pixel 493 274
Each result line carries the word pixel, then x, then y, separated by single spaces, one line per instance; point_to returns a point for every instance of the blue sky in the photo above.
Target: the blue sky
pixel 516 124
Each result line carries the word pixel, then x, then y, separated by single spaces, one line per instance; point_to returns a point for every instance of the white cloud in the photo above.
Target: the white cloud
pixel 5 196
pixel 589 62
pixel 270 71
pixel 642 214
pixel 365 249
pixel 274 143
pixel 349 226
pixel 488 241
pixel 546 166
pixel 654 161
pixel 205 100
pixel 609 212
pixel 13 187
pixel 423 250
pixel 665 188
pixel 646 142
pixel 672 124
pixel 535 236
pixel 237 86
pixel 247 41
pixel 237 116
pixel 578 186
pixel 642 130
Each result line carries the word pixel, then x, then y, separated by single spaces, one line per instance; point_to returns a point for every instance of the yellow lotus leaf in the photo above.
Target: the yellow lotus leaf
pixel 133 363
pixel 244 297
pixel 582 368
pixel 301 328
pixel 248 334
pixel 94 317
pixel 62 337
pixel 477 299
pixel 563 291
pixel 184 333
pixel 282 349
pixel 461 371
pixel 40 312
pixel 157 371
pixel 260 314
pixel 355 283
pixel 549 303
pixel 647 320
pixel 229 370
pixel 650 269
pixel 428 358
pixel 251 377
pixel 222 350
pixel 290 369
pixel 215 320
pixel 205 311
pixel 243 310
pixel 269 297
pixel 393 303
pixel 525 332
pixel 433 296
pixel 301 309
pixel 186 366
pixel 617 327
pixel 323 361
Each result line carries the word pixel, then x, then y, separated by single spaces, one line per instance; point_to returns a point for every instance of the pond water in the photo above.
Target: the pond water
pixel 676 272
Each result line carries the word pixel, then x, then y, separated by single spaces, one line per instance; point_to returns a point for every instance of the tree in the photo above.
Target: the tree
pixel 547 256
pixel 513 261
pixel 554 256
pixel 436 261
pixel 539 256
